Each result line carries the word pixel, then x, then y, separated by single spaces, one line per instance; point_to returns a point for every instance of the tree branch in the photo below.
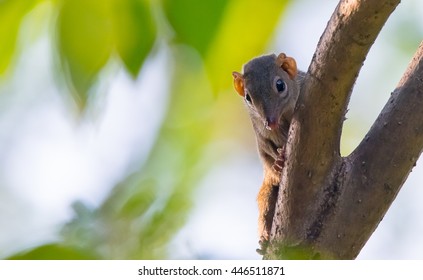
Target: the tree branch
pixel 381 163
pixel 314 173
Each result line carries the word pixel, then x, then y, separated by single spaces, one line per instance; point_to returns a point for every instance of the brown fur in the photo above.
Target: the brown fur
pixel 271 112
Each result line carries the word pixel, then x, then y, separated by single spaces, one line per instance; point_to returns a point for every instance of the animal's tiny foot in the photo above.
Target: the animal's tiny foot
pixel 264 244
pixel 280 160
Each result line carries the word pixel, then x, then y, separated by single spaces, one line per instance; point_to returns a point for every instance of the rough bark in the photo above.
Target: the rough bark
pixel 328 206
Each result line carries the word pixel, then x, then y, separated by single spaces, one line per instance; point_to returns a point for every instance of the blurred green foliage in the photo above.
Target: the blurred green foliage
pixel 89 32
pixel 207 40
pixel 11 15
pixel 85 41
pixel 53 252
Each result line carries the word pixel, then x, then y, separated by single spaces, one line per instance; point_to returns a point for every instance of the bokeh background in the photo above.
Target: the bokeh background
pixel 121 136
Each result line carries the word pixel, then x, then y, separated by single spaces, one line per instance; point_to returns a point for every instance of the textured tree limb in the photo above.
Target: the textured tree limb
pixel 377 169
pixel 316 213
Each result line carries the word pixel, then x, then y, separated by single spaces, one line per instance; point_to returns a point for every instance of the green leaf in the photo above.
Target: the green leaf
pixel 135 32
pixel 141 199
pixel 85 42
pixel 195 22
pixel 11 15
pixel 53 252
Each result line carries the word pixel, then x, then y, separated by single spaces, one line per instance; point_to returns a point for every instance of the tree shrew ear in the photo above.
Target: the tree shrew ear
pixel 288 64
pixel 239 83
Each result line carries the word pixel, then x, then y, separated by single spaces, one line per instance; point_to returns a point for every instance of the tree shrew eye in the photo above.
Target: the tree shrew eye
pixel 280 85
pixel 248 98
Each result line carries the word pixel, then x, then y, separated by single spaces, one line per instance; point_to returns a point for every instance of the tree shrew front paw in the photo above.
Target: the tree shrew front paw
pixel 280 160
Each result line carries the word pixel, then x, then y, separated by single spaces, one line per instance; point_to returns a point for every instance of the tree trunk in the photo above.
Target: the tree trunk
pixel 328 205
